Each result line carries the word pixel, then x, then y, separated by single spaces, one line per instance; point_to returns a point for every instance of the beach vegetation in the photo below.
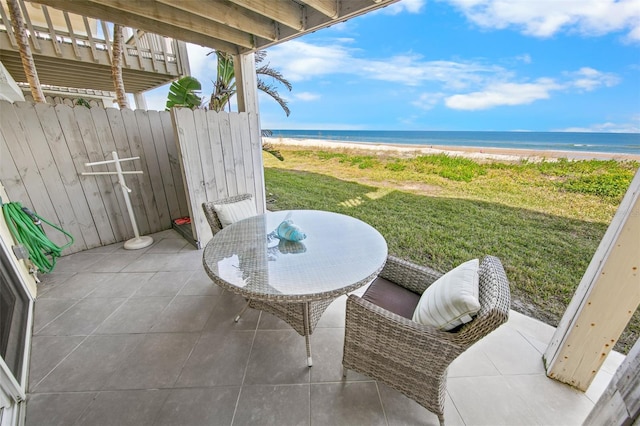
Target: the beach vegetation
pixel 544 220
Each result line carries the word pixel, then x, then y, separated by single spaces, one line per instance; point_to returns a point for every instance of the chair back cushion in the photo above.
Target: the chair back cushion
pixel 229 213
pixel 451 300
pixel 392 297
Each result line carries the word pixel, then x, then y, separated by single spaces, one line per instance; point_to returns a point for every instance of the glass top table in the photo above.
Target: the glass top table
pixel 295 281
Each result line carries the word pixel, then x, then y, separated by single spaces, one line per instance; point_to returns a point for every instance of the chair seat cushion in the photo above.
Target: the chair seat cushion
pixel 451 300
pixel 392 297
pixel 229 213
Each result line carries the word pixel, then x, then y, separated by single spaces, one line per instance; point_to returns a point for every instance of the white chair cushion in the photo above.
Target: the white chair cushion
pixel 452 300
pixel 233 212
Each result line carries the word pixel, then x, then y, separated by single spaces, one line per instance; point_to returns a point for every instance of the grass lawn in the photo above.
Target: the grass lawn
pixel 543 220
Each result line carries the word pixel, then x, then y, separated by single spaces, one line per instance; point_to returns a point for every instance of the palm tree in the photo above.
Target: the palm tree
pixel 28 63
pixel 225 85
pixel 116 67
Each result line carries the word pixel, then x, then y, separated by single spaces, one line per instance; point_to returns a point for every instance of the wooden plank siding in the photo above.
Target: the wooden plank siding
pixel 221 156
pixel 44 148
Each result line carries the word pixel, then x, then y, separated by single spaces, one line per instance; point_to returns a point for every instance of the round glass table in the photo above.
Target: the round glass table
pixel 295 281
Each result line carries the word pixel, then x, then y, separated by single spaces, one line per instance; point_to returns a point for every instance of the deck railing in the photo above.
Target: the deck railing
pixel 50 29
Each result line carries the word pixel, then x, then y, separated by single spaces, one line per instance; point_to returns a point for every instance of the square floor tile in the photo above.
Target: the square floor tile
pixel 115 262
pixel 121 285
pixel 355 403
pixel 197 407
pixel 77 286
pixel 168 245
pixel 82 318
pixel 156 362
pixel 278 357
pixel 402 411
pixel 326 350
pixel 218 359
pixel 185 314
pixel 226 309
pixel 273 405
pixel 163 284
pixel 124 408
pixel 47 352
pixel 47 310
pixel 90 365
pixel 166 262
pixel 57 409
pixel 199 284
pixel 136 315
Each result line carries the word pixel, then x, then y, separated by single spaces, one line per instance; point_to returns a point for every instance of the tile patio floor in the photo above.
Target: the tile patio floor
pixel 144 338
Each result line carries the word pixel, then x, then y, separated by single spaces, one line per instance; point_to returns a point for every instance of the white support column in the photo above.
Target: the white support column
pixel 140 100
pixel 247 97
pixel 607 297
pixel 246 82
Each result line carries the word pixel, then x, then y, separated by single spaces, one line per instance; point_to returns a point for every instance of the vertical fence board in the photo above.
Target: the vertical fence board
pixel 153 168
pixel 106 190
pixel 120 223
pixel 213 122
pixel 174 161
pixel 258 161
pixel 121 137
pixel 45 162
pixel 227 154
pixel 89 184
pixel 88 234
pixel 205 154
pixel 191 169
pixel 236 145
pixel 10 177
pixel 20 141
pixel 166 177
pixel 147 195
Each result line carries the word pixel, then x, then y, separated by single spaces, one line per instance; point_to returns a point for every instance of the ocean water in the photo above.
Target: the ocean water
pixel 613 143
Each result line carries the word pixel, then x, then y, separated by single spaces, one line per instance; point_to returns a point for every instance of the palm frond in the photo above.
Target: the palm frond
pixel 273 93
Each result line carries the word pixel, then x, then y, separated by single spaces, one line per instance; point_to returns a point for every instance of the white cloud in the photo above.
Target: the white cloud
pixel 300 61
pixel 589 79
pixel 546 18
pixel 411 6
pixel 526 58
pixel 306 96
pixel 605 128
pixel 427 101
pixel 504 94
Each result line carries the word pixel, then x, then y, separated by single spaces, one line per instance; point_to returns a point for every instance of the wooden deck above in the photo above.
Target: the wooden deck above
pixel 75 51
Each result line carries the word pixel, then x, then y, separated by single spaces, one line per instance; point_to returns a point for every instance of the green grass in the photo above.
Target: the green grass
pixel 543 220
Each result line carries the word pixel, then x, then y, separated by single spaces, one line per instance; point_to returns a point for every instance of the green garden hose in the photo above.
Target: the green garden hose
pixel 26 227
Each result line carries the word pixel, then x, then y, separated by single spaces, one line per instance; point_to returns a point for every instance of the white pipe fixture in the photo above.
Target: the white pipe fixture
pixel 137 242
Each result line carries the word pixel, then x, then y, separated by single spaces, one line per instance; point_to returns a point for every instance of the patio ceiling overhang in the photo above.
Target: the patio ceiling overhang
pixel 233 26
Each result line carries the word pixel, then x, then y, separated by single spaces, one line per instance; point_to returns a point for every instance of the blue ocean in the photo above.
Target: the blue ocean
pixel 612 143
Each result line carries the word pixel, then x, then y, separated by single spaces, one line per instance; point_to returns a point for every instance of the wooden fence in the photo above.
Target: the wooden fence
pixel 221 155
pixel 43 151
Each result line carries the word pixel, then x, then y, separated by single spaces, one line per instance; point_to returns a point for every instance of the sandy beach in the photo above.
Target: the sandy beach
pixel 478 153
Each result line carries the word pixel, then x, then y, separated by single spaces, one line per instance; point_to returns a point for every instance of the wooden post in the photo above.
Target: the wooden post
pixel 604 302
pixel 247 97
pixel 620 402
pixel 246 82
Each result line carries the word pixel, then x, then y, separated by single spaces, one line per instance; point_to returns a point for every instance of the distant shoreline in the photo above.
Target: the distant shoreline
pixel 480 153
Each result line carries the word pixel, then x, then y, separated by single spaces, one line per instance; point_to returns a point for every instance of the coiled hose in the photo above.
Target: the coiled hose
pixel 26 227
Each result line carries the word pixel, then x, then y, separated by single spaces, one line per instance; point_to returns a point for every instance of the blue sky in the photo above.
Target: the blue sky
pixel 524 65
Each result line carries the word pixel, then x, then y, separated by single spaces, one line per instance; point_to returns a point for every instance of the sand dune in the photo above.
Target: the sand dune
pixel 501 154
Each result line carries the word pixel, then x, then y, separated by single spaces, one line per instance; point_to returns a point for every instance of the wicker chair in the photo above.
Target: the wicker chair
pixel 212 216
pixel 414 358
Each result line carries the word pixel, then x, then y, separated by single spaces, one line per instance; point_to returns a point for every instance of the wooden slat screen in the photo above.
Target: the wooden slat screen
pixel 221 156
pixel 43 149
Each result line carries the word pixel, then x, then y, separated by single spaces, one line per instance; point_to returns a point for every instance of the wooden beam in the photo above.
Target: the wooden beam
pixel 228 14
pixel 105 12
pixel 604 302
pixel 286 12
pixel 315 20
pixel 162 13
pixel 328 8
